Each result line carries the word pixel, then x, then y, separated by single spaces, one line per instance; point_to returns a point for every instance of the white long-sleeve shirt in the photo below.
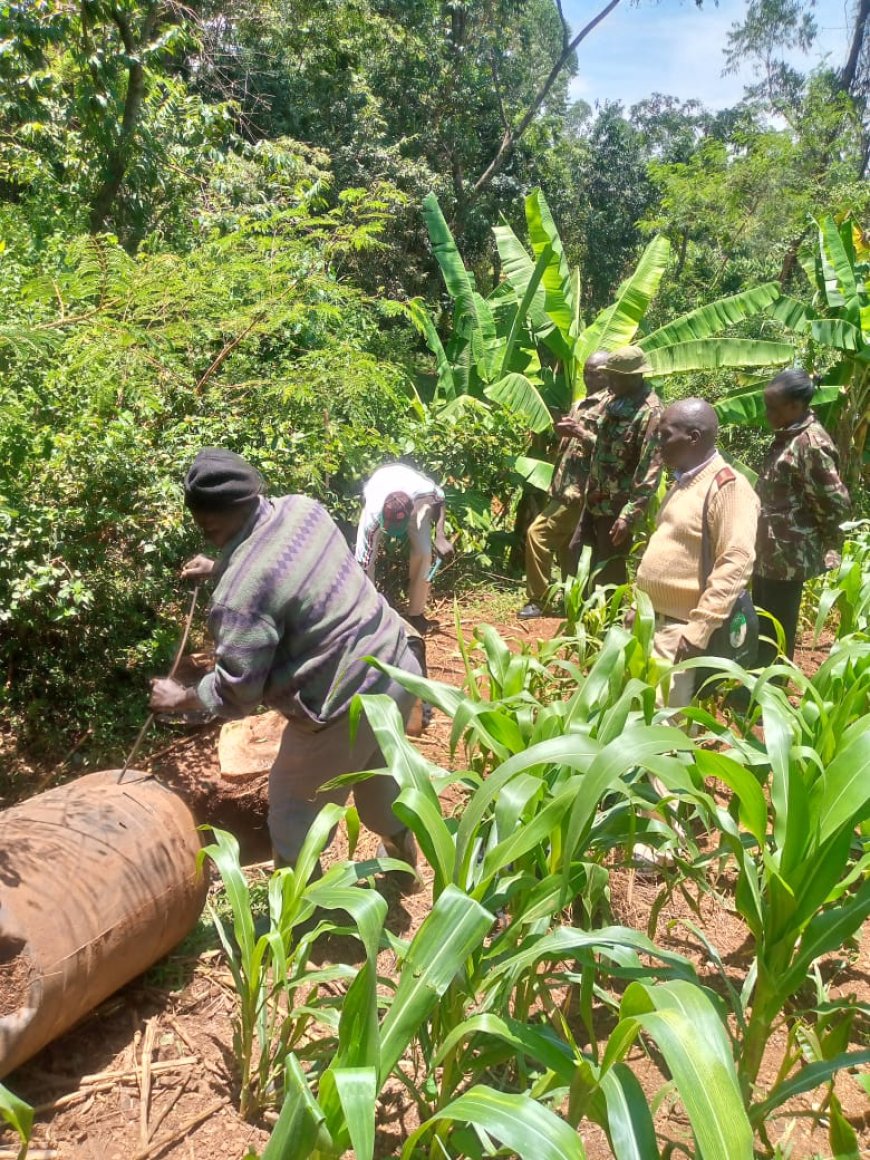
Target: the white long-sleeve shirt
pixel 386 480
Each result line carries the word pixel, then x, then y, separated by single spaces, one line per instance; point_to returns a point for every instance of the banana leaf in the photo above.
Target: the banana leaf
pixel 521 397
pixel 791 313
pixel 837 333
pixel 617 325
pixel 712 318
pixel 537 472
pixel 543 235
pixel 422 320
pixel 458 281
pixel 746 408
pixel 486 346
pixel 518 269
pixel 713 353
pixel 473 317
pixel 840 286
pixel 522 310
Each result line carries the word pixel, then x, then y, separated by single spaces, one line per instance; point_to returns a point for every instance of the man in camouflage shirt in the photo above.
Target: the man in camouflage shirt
pixel 803 502
pixel 550 533
pixel 625 467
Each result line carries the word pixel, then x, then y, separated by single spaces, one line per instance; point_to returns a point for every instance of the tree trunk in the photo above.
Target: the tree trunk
pixel 118 158
pixel 511 136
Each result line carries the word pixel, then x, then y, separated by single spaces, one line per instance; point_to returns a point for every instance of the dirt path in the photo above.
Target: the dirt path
pixel 93 1103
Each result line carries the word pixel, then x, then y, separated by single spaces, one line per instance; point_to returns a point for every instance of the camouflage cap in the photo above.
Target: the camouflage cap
pixel 629 360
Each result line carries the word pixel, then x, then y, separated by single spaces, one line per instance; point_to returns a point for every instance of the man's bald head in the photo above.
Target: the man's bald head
pixel 687 433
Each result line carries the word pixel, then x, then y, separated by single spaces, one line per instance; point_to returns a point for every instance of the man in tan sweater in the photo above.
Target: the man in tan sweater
pixel 689 610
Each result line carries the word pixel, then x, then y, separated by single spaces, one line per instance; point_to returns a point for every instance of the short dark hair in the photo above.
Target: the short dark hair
pixel 795 385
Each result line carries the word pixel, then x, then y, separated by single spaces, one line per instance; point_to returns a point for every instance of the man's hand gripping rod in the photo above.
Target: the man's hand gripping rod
pixel 174 669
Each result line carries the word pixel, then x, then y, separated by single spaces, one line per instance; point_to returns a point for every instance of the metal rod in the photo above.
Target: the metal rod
pixel 150 718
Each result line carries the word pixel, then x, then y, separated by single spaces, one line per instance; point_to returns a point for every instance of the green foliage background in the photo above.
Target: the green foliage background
pixel 210 229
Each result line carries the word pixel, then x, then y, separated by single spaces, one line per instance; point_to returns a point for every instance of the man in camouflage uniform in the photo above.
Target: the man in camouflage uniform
pixel 625 467
pixel 803 502
pixel 550 533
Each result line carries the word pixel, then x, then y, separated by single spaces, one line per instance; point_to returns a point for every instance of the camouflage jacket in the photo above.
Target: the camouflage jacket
pixel 803 500
pixel 572 466
pixel 625 468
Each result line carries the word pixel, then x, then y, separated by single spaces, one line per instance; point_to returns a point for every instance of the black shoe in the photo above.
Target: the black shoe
pixel 530 611
pixel 739 700
pixel 421 624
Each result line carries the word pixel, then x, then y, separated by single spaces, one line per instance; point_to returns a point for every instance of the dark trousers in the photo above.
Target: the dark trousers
pixel 782 599
pixel 595 532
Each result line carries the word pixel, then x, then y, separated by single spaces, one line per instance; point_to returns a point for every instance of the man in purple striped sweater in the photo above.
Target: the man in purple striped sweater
pixel 292 617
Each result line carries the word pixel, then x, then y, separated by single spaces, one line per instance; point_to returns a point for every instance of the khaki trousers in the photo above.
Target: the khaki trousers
pixel 667 637
pixel 310 755
pixel 548 535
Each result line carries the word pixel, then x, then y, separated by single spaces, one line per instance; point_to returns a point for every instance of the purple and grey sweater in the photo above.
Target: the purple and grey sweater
pixel 292 617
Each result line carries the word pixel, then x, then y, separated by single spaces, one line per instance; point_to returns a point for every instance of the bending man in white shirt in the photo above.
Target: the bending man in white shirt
pixel 402 503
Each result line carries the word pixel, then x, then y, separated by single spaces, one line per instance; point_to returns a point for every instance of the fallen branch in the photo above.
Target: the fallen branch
pixel 176 1096
pixel 105 1081
pixel 145 1080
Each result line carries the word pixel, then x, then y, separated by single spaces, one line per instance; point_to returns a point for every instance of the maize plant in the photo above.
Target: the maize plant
pixel 279 997
pixel 18 1115
pixel 801 799
pixel 493 1021
pixel 473 996
pixel 847 587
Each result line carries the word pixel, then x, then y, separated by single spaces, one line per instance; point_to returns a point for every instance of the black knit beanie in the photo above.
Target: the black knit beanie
pixel 219 479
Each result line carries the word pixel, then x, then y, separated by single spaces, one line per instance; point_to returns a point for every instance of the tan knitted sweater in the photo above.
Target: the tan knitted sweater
pixel 670 570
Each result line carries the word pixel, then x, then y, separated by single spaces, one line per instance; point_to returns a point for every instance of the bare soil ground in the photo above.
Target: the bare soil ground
pixel 151 1073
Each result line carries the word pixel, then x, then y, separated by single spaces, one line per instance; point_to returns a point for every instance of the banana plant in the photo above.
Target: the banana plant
pixel 689 343
pixel 503 347
pixel 488 353
pixel 833 329
pixel 692 342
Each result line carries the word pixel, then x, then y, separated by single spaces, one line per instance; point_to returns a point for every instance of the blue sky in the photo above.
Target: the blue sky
pixel 676 48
